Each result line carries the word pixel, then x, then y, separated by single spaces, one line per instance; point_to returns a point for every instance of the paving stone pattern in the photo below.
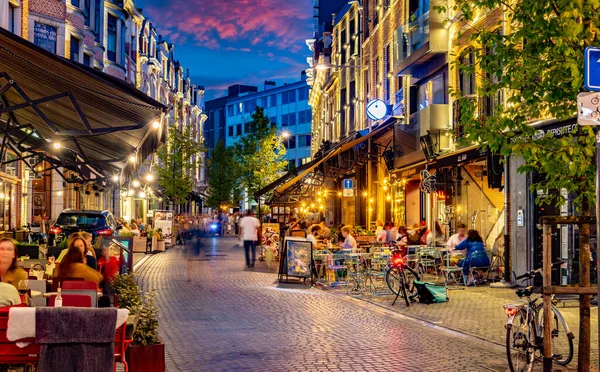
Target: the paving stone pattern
pixel 229 319
pixel 478 311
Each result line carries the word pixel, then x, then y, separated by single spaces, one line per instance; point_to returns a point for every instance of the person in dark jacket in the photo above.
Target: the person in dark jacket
pixel 475 254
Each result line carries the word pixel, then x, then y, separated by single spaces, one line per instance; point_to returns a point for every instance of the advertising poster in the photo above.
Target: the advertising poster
pixel 164 220
pixel 270 236
pixel 298 258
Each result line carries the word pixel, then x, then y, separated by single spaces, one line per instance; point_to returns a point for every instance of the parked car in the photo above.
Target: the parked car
pixel 69 221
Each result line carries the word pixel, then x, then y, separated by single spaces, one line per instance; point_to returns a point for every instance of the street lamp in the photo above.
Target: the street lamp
pixel 285 134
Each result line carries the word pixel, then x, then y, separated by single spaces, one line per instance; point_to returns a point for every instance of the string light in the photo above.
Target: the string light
pixel 149 177
pixel 136 183
pixel 56 145
pixel 155 124
pixel 132 158
pixel 115 178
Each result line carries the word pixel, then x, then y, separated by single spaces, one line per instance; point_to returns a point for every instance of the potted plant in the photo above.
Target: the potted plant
pixel 146 353
pixel 32 250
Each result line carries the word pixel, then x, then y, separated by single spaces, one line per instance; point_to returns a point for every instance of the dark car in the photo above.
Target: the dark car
pixel 97 223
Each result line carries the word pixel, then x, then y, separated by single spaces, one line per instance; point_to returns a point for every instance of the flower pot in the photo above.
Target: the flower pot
pixel 146 358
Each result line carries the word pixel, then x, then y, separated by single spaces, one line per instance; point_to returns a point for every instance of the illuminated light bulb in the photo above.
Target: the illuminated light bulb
pixel 136 183
pixel 59 193
pixel 56 145
pixel 115 178
pixel 385 188
pixel 149 177
pixel 312 205
pixel 159 199
pixel 132 159
pixel 389 198
pixel 130 192
pixel 365 194
pixel 371 200
pixel 340 193
pixel 155 124
pixel 142 194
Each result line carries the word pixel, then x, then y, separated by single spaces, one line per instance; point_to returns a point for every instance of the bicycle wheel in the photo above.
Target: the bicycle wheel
pixel 409 282
pixel 519 350
pixel 393 278
pixel 562 342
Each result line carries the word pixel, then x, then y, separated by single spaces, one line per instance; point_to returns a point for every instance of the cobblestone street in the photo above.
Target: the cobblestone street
pixel 228 319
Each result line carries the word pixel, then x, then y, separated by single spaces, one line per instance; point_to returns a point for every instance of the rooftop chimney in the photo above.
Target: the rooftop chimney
pixel 270 84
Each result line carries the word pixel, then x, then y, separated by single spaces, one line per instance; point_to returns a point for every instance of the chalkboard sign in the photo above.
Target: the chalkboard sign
pixel 44 36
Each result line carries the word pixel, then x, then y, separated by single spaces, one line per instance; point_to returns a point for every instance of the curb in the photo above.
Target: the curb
pixel 138 265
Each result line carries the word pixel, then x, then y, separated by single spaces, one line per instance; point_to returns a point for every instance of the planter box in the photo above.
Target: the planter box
pixel 139 244
pixel 146 358
pixel 33 251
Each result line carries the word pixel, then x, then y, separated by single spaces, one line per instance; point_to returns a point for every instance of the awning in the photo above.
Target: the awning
pixel 300 173
pixel 99 120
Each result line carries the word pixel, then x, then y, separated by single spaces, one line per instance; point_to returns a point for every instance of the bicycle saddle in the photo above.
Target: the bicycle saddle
pixel 524 291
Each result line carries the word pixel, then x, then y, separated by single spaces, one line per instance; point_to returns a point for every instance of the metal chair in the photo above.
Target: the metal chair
pixel 321 258
pixel 475 271
pixel 355 273
pixel 429 259
pixel 337 266
pixel 378 267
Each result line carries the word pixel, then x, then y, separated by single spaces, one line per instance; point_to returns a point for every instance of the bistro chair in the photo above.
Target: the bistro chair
pixel 429 260
pixel 321 258
pixel 72 300
pixel 38 286
pixel 355 273
pixel 476 271
pixel 79 284
pixel 338 267
pixel 58 281
pixel 380 257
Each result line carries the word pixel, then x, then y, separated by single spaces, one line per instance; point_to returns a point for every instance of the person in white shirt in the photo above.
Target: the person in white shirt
pixel 249 226
pixel 311 237
pixel 9 295
pixel 349 241
pixel 457 238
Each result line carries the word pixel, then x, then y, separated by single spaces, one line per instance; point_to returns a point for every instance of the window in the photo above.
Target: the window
pixel 86 12
pixel 44 36
pixel 465 75
pixel 352 36
pixel 97 20
pixel 273 120
pixel 273 99
pixel 284 98
pixel 386 70
pixel 112 38
pixel 304 141
pixel 301 117
pixel 246 127
pixel 123 40
pixel 238 131
pixel 75 44
pixel 291 165
pixel 292 142
pixel 249 106
pixel 292 94
pixel 87 60
pixel 12 16
pixel 303 94
pixel 75 3
pixel 343 48
pixel 230 131
pixel 288 119
pixel 230 110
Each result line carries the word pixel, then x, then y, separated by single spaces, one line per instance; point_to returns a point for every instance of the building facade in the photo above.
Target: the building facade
pixel 113 37
pixel 288 109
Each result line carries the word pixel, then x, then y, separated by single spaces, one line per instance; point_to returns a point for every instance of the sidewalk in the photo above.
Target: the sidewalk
pixel 478 311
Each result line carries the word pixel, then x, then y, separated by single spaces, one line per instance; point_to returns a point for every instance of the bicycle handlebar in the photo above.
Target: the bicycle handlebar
pixel 531 274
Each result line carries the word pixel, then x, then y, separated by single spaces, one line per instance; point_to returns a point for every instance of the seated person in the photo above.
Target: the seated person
pixel 311 236
pixel 325 232
pixel 9 271
pixel 349 241
pixel 383 233
pixel 9 295
pixel 475 256
pixel 73 264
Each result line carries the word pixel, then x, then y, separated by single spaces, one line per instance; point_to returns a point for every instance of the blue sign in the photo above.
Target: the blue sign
pixel 44 36
pixel 592 69
pixel 348 184
pixel 376 109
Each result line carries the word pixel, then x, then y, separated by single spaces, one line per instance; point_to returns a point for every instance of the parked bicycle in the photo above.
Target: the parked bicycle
pixel 400 278
pixel 525 331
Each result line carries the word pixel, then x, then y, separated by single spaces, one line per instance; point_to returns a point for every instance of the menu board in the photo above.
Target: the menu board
pixel 44 36
pixel 298 258
pixel 270 236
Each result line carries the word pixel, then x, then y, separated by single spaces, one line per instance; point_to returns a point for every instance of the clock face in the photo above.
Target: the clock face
pixel 376 109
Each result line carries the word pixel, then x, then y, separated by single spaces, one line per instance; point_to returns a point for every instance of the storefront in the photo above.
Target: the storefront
pixel 71 135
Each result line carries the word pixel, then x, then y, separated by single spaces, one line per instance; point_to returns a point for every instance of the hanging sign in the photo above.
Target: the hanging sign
pixel 376 109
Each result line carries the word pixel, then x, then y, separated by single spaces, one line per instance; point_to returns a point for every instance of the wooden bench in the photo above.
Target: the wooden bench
pixel 10 353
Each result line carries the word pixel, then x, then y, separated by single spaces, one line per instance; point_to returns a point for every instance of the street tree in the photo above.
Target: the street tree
pixel 260 154
pixel 177 165
pixel 538 63
pixel 223 177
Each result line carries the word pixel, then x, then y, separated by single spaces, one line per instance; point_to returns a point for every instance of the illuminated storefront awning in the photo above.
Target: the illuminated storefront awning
pixel 71 116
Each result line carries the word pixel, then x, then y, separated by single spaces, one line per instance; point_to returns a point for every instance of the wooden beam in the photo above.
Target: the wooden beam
pixel 576 290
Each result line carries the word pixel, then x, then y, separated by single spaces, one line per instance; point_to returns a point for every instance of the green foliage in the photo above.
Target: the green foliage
pixel 25 243
pixel 126 233
pixel 176 165
pixel 223 177
pixel 64 243
pixel 127 290
pixel 540 62
pixel 129 297
pixel 146 322
pixel 260 154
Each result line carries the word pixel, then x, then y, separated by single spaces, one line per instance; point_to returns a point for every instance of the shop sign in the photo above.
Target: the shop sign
pixel 556 132
pixel 408 173
pixel 376 109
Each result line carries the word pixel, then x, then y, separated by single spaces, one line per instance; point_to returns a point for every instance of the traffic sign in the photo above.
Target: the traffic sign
pixel 588 108
pixel 348 193
pixel 348 184
pixel 591 68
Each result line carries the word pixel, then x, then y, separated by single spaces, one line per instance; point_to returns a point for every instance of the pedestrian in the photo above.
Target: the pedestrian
pixel 236 222
pixel 249 230
pixel 225 224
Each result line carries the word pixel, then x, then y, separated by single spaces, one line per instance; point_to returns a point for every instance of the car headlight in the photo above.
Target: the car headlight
pixel 213 226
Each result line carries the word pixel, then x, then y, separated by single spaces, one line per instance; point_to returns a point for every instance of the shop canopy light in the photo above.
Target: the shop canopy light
pixel 136 183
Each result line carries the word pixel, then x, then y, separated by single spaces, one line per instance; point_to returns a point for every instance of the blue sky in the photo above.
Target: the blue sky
pixel 225 42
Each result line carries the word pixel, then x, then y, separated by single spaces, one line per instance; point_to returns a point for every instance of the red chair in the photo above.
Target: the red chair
pixel 72 300
pixel 10 353
pixel 121 344
pixel 58 280
pixel 79 284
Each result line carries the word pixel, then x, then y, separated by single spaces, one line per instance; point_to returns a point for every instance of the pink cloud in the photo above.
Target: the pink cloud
pixel 285 24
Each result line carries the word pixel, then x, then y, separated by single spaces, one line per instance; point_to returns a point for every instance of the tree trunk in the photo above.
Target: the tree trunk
pixel 583 357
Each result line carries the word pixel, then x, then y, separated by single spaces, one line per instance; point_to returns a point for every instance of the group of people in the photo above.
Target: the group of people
pixel 135 227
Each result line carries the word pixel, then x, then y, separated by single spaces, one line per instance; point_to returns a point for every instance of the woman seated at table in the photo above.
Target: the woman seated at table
pixel 475 255
pixel 312 234
pixel 73 264
pixel 349 241
pixel 9 271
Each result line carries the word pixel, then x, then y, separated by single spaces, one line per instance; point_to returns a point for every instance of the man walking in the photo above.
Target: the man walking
pixel 249 226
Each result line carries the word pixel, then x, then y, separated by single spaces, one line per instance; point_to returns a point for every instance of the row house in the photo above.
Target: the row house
pixel 114 37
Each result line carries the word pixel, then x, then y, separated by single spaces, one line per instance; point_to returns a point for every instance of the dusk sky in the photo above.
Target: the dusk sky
pixel 225 42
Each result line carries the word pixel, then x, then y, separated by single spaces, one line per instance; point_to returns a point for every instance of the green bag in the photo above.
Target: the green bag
pixel 430 293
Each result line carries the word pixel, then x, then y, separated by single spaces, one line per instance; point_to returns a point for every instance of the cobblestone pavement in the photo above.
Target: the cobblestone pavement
pixel 478 311
pixel 229 319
